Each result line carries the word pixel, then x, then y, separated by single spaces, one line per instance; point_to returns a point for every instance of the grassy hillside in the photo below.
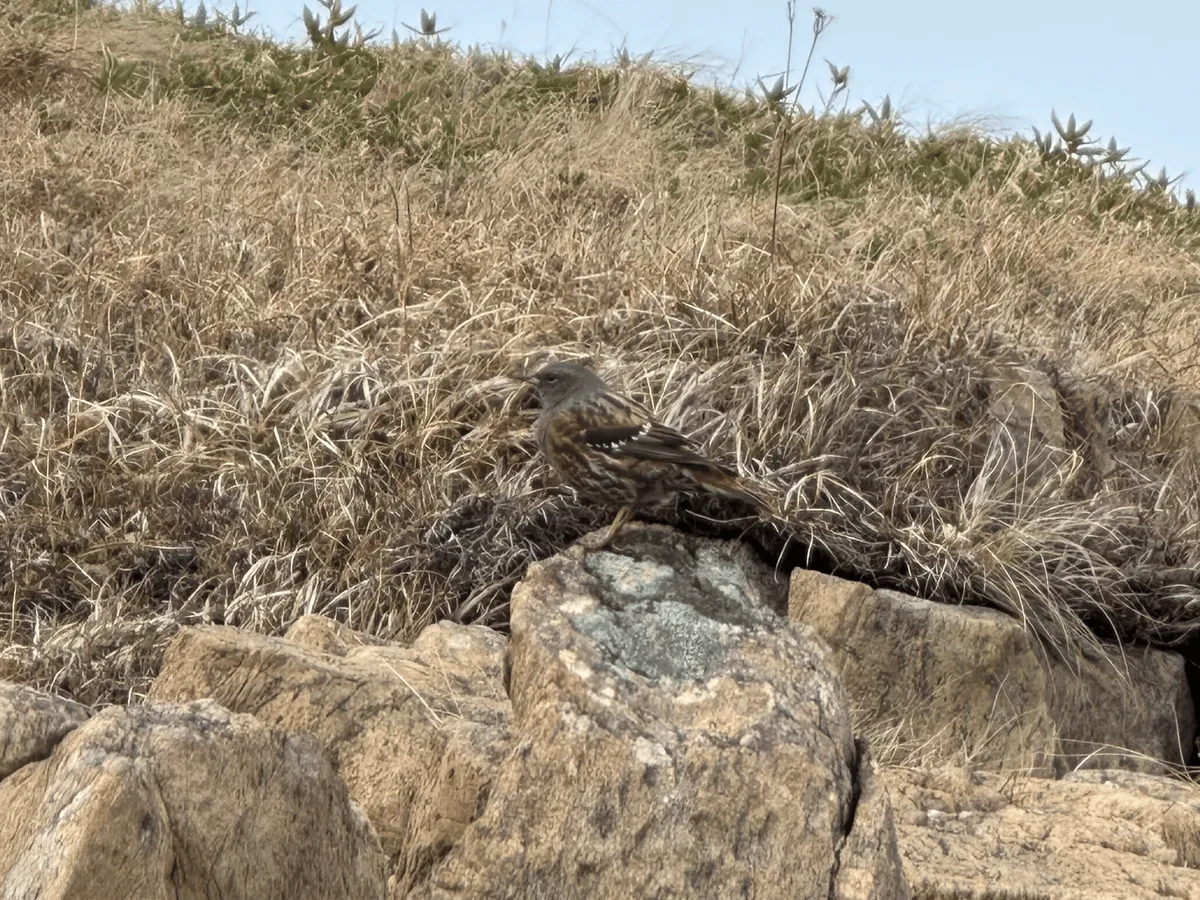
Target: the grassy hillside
pixel 258 306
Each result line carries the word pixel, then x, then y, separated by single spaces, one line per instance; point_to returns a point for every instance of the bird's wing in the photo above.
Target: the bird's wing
pixel 622 428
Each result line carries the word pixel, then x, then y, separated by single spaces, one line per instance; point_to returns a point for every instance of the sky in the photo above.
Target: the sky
pixel 1133 68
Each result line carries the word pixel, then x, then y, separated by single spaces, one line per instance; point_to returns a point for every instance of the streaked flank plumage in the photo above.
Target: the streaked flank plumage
pixel 613 452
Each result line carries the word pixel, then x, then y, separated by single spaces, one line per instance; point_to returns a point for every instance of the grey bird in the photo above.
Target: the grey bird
pixel 611 451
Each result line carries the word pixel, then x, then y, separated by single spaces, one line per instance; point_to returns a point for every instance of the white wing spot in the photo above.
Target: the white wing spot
pixel 617 445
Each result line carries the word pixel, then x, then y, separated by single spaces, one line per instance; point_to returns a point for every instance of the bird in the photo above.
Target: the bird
pixel 611 451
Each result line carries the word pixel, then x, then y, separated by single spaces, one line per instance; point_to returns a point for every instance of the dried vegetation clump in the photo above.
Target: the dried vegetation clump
pixel 259 306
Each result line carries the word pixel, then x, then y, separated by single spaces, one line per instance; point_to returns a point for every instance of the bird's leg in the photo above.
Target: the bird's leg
pixel 623 516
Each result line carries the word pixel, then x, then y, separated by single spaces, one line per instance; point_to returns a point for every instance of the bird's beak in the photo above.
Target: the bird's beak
pixel 527 379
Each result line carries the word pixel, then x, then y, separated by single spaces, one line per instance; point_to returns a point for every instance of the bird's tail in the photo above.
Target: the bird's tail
pixel 727 484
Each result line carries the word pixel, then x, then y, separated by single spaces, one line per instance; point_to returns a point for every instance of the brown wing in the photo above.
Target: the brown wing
pixel 622 428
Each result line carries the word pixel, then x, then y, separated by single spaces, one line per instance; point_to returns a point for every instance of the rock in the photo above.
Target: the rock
pixel 674 738
pixel 32 723
pixel 416 733
pixel 1027 449
pixel 1127 714
pixel 1025 400
pixel 184 801
pixel 965 684
pixel 329 636
pixel 1090 836
pixel 869 865
pixel 668 735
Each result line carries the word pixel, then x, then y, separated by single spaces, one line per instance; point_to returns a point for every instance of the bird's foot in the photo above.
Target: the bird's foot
pixel 594 544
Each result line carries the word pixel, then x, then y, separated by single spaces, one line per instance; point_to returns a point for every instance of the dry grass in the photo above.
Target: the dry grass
pixel 254 345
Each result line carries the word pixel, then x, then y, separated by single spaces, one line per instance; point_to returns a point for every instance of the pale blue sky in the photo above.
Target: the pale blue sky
pixel 1134 68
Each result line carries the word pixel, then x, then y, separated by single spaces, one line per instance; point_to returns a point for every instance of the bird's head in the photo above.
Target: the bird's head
pixel 561 382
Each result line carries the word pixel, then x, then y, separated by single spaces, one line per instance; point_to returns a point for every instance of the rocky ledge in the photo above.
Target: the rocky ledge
pixel 653 727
